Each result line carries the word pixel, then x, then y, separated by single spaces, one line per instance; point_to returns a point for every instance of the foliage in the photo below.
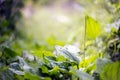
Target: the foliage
pixel 89 65
pixel 39 63
pixel 111 71
pixel 47 68
pixel 92 27
pixel 101 63
pixel 68 53
pixel 27 59
pixel 108 68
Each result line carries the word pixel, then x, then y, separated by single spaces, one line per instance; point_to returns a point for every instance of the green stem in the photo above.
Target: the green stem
pixel 85 37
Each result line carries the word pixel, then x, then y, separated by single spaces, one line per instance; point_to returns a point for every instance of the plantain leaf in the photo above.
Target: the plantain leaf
pixel 82 75
pixel 93 27
pixel 111 72
pixel 69 52
pixel 101 63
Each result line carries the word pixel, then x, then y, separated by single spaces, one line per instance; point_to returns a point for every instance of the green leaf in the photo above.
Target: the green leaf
pixel 39 53
pixel 9 52
pixel 61 58
pixel 89 63
pixel 111 72
pixel 19 77
pixel 83 75
pixel 93 27
pixel 30 76
pixel 55 71
pixel 67 54
pixel 101 63
pixel 47 78
pixel 80 74
pixel 44 69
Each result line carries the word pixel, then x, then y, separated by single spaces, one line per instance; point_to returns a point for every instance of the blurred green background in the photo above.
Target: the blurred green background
pixel 63 19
